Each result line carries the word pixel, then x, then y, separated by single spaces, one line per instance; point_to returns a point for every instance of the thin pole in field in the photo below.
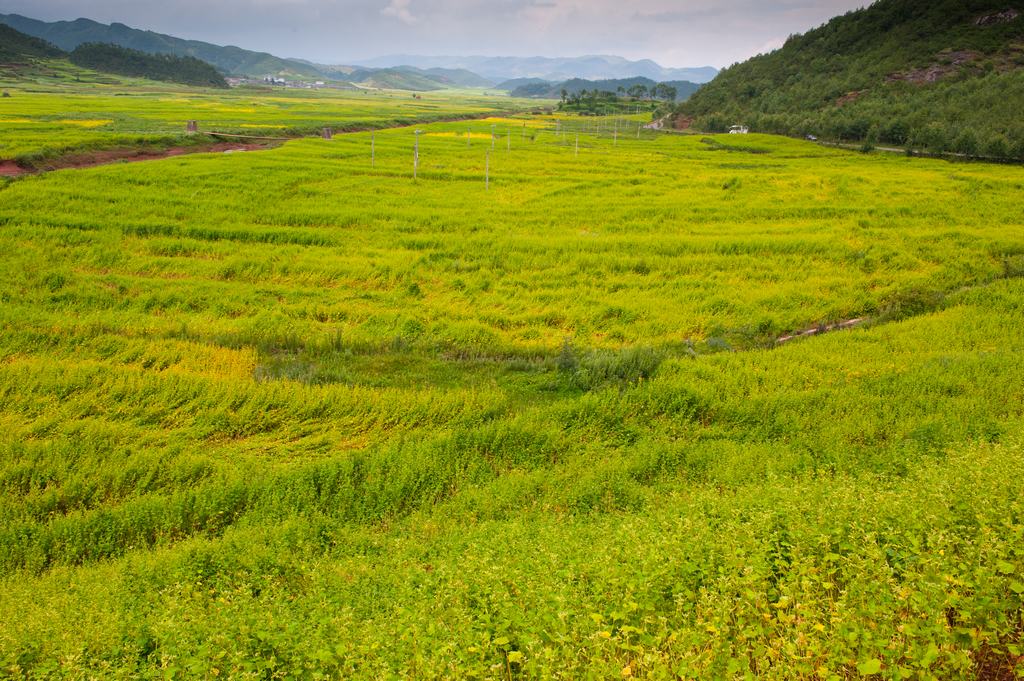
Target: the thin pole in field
pixel 577 144
pixel 416 156
pixel 487 172
pixel 493 135
pixel 638 126
pixel 509 140
pixel 524 132
pixel 615 139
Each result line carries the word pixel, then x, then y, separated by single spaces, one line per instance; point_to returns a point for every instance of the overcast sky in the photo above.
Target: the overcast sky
pixel 672 32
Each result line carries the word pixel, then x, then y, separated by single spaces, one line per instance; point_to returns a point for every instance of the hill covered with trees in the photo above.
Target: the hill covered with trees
pixel 19 49
pixel 164 67
pixel 940 75
pixel 230 60
pixel 16 46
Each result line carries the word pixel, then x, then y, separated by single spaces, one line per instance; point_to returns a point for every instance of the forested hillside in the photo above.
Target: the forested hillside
pixel 18 49
pixel 164 67
pixel 68 35
pixel 15 46
pixel 938 75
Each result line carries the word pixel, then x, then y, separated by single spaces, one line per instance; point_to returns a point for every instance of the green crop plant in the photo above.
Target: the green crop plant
pixel 290 414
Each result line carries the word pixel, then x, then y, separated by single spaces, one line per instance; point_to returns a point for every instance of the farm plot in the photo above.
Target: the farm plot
pixel 295 414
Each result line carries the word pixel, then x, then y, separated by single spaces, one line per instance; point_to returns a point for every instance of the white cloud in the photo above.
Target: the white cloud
pixel 399 9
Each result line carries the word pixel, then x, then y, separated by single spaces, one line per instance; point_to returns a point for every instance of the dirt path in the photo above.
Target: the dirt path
pixel 10 169
pixel 825 328
pixel 99 158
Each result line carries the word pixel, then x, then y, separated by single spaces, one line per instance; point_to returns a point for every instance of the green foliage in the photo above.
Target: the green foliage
pixel 135 64
pixel 637 89
pixel 289 415
pixel 66 112
pixel 15 46
pixel 900 72
pixel 231 60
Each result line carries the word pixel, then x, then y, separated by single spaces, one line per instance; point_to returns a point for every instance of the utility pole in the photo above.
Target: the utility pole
pixel 416 156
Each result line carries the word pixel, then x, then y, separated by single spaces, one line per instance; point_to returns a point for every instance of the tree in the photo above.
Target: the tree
pixel 638 91
pixel 665 92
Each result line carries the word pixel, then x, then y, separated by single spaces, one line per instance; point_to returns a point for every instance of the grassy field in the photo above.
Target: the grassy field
pixel 66 109
pixel 288 414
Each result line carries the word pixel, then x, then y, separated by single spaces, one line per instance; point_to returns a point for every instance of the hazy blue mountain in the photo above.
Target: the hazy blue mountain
pixel 409 72
pixel 407 77
pixel 556 69
pixel 459 77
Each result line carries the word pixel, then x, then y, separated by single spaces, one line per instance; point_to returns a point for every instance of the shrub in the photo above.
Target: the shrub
pixel 622 367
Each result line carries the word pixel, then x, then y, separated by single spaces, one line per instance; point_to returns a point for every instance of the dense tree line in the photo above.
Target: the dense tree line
pixel 638 89
pixel 135 64
pixel 601 102
pixel 938 75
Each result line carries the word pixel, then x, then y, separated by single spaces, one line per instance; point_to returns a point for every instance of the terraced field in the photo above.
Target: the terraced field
pixel 60 115
pixel 294 414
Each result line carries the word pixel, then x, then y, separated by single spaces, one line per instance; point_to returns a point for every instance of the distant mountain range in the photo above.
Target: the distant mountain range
pixel 406 77
pixel 398 72
pixel 554 69
pixel 18 50
pixel 232 61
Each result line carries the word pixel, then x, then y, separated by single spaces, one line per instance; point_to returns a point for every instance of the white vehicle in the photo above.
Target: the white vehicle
pixel 739 130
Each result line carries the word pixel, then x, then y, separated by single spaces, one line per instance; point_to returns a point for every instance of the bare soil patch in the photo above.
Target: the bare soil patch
pixel 99 158
pixel 10 169
pixel 997 18
pixel 850 97
pixel 949 63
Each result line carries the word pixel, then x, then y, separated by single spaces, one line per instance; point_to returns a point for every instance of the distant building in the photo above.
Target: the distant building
pixel 739 130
